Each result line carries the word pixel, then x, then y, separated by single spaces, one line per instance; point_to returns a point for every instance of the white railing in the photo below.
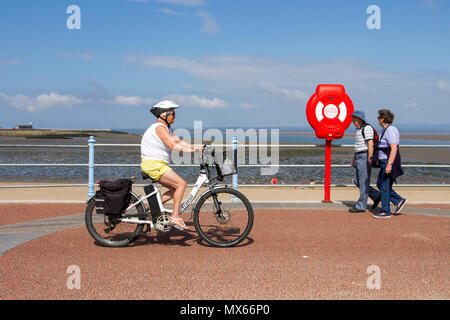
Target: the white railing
pixel 91 164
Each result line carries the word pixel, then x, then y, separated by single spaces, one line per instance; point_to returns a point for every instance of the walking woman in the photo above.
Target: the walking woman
pixel 390 166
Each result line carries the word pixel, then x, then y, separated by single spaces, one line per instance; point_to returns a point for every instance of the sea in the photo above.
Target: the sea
pixel 36 152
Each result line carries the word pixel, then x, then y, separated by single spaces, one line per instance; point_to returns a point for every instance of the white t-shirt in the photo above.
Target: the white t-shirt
pixel 152 148
pixel 360 141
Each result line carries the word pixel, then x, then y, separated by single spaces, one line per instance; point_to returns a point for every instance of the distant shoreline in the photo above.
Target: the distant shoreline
pixel 71 133
pixel 56 133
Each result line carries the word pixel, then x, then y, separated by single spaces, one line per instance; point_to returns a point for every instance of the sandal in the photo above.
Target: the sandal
pixel 179 227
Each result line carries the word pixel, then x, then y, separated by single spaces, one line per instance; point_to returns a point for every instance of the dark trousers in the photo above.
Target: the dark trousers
pixel 384 184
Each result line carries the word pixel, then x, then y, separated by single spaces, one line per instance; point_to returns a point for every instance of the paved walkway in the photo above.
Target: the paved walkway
pixel 12 235
pixel 296 250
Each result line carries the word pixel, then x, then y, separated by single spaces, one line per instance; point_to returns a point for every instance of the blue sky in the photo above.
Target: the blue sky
pixel 227 63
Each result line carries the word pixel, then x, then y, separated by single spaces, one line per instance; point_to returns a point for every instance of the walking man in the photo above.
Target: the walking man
pixel 364 141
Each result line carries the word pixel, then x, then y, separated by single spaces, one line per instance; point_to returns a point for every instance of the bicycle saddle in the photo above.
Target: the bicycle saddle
pixel 146 176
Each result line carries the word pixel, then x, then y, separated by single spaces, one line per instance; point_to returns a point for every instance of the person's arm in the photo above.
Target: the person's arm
pixel 393 139
pixel 391 158
pixel 369 151
pixel 184 146
pixel 173 142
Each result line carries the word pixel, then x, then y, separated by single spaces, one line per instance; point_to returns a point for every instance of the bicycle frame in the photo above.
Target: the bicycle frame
pixel 203 179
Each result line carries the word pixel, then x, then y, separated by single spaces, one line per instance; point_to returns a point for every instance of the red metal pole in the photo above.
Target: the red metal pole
pixel 327 170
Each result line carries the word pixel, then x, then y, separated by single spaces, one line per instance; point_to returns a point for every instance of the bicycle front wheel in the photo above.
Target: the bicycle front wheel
pixel 223 217
pixel 110 231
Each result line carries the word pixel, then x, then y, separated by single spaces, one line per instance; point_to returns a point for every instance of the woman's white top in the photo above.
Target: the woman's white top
pixel 152 147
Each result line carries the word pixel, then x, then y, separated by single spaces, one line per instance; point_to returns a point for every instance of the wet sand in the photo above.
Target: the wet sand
pixel 105 134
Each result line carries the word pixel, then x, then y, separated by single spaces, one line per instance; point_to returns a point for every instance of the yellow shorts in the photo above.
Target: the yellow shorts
pixel 154 168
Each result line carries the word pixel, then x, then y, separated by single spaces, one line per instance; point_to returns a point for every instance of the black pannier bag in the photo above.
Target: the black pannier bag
pixel 113 197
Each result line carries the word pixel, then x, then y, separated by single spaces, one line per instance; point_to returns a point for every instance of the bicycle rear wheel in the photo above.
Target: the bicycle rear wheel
pixel 110 231
pixel 223 218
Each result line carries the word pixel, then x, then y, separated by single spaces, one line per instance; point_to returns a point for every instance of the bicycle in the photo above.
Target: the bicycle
pixel 222 216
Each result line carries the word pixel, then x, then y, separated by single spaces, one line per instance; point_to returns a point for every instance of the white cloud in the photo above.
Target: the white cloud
pixel 216 67
pixel 238 69
pixel 79 56
pixel 132 101
pixel 277 92
pixel 196 101
pixel 10 62
pixel 209 23
pixel 185 3
pixel 246 105
pixel 183 100
pixel 276 75
pixel 169 62
pixel 412 104
pixel 240 78
pixel 54 100
pixel 430 4
pixel 171 12
pixel 43 101
pixel 443 86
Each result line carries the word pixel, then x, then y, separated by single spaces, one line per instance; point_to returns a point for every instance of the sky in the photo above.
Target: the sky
pixel 227 63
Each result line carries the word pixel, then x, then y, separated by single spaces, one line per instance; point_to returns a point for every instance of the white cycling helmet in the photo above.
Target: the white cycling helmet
pixel 163 106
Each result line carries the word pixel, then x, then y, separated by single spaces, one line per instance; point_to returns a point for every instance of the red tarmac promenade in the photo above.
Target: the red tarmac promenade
pixel 310 252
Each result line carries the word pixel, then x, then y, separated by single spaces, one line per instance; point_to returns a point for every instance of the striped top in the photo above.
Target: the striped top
pixel 360 142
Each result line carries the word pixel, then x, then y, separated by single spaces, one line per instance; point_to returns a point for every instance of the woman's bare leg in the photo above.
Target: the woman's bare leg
pixel 176 186
pixel 168 195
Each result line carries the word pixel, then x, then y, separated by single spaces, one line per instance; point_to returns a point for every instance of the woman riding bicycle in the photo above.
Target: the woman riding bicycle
pixel 157 144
